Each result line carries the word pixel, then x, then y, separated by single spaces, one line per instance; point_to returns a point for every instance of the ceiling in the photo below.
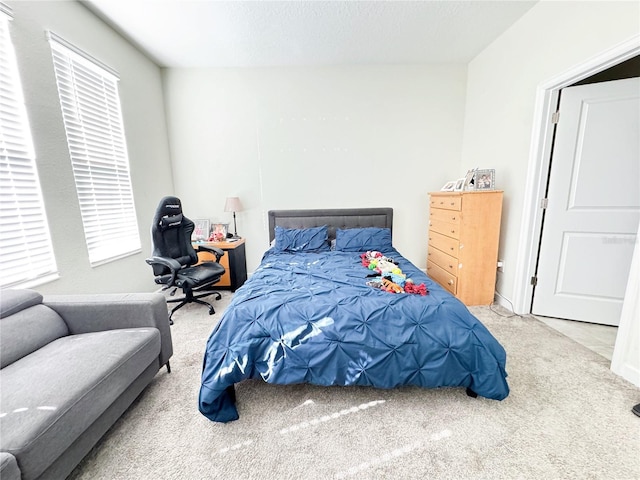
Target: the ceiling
pixel 213 33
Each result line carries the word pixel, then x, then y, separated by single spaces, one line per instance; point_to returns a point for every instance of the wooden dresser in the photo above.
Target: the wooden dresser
pixel 464 230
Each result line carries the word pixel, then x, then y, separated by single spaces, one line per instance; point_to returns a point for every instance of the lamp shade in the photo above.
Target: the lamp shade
pixel 232 205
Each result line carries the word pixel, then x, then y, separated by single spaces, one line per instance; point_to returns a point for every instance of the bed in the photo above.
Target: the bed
pixel 314 313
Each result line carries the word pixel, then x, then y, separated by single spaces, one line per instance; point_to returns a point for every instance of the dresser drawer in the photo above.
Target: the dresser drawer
pixel 448 202
pixel 444 278
pixel 443 243
pixel 441 259
pixel 449 216
pixel 445 228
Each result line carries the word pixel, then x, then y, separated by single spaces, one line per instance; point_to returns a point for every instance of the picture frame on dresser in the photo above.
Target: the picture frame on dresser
pixel 448 187
pixel 459 186
pixel 484 179
pixel 468 179
pixel 200 230
pixel 219 232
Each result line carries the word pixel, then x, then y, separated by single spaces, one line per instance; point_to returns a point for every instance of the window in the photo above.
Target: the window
pixel 92 118
pixel 26 253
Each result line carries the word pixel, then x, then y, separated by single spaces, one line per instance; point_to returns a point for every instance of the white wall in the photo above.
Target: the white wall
pixel 304 137
pixel 549 39
pixel 286 138
pixel 143 112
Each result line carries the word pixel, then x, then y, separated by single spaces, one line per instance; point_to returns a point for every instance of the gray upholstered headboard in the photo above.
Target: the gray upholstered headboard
pixel 334 218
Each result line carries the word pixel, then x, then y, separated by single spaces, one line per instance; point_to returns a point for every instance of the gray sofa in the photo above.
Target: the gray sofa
pixel 70 367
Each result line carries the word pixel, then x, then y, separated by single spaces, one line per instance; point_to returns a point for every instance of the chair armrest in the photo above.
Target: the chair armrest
pixel 106 311
pixel 171 263
pixel 168 262
pixel 218 252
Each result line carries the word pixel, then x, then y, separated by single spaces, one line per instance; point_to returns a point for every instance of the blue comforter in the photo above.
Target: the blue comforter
pixel 311 318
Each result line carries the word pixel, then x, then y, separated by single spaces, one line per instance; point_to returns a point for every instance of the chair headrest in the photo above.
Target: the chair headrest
pixel 169 206
pixel 169 213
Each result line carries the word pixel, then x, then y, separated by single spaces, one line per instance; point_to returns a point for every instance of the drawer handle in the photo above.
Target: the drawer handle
pixel 441 203
pixel 450 266
pixel 453 218
pixel 453 231
pixel 452 204
pixel 451 249
pixel 450 282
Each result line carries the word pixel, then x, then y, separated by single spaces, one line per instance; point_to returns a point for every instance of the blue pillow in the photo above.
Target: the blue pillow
pixel 302 239
pixel 363 239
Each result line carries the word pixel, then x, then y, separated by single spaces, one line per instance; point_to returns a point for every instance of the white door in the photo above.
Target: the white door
pixel 593 208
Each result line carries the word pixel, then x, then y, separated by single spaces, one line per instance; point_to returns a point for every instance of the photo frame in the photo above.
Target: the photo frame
pixel 200 230
pixel 459 186
pixel 484 179
pixel 219 232
pixel 448 187
pixel 468 179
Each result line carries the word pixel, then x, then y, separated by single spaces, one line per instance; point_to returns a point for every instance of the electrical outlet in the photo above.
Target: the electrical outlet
pixel 500 266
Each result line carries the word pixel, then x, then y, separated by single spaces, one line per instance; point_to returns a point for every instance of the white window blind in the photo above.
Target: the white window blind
pixel 95 135
pixel 26 253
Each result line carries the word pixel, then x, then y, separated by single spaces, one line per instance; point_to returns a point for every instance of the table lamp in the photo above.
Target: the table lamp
pixel 233 205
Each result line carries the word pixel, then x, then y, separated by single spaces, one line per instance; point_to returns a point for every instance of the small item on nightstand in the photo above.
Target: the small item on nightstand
pixel 232 239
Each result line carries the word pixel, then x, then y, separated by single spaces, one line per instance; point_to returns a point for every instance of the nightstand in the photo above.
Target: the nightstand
pixel 234 262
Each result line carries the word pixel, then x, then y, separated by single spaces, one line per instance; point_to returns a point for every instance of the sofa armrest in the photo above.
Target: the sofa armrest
pixel 9 467
pixel 84 313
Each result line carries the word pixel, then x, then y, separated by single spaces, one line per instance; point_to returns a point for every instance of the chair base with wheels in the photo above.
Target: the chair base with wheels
pixel 190 297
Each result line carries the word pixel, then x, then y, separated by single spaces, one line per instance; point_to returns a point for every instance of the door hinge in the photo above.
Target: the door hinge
pixel 555 118
pixel 534 281
pixel 544 203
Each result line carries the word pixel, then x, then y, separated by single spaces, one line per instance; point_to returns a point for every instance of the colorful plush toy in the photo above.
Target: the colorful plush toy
pixel 391 287
pixel 410 287
pixel 396 276
pixel 391 277
pixel 376 261
pixel 370 256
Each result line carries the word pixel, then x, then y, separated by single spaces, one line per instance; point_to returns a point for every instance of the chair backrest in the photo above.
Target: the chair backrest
pixel 171 235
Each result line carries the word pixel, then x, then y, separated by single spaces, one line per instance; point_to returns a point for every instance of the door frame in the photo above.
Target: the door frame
pixel 546 102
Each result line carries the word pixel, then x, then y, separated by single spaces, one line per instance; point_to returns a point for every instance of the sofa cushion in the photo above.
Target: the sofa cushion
pixel 77 378
pixel 27 326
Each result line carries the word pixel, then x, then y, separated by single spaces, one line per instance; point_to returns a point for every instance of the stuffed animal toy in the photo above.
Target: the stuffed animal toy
pixel 396 276
pixel 410 287
pixel 376 261
pixel 391 287
pixel 370 256
pixel 391 277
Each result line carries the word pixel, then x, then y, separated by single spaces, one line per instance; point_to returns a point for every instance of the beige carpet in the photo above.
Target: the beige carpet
pixel 567 417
